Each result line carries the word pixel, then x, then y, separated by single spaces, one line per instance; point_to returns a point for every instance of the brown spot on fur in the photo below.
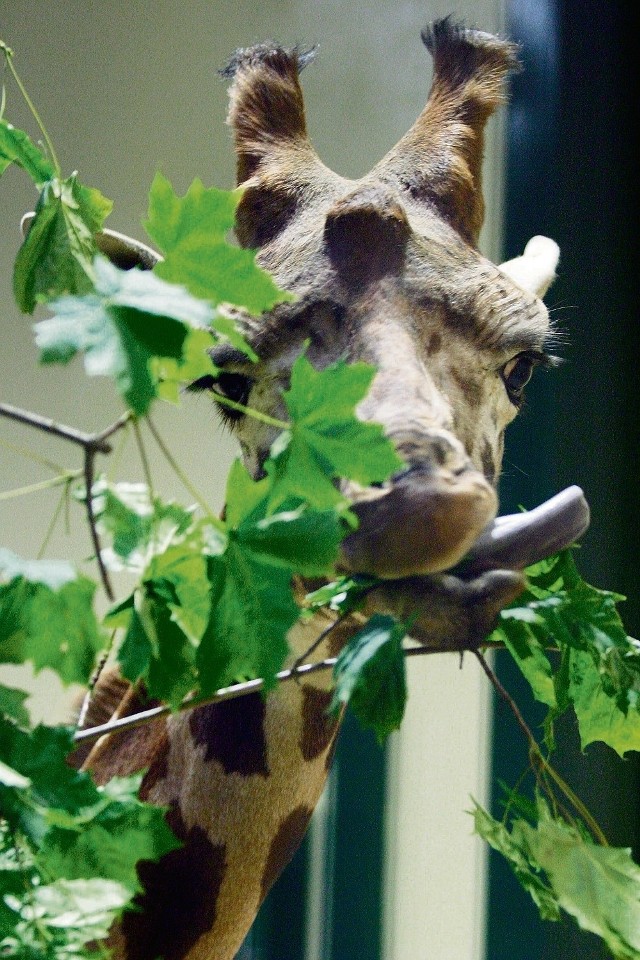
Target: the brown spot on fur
pixel 318 728
pixel 488 462
pixel 471 391
pixel 158 769
pixel 233 734
pixel 434 345
pixel 178 904
pixel 284 845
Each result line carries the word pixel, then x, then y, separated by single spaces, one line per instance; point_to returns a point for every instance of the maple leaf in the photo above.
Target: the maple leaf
pixel 192 233
pixel 326 440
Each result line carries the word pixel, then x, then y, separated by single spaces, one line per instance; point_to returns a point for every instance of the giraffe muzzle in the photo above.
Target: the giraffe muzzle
pixel 424 522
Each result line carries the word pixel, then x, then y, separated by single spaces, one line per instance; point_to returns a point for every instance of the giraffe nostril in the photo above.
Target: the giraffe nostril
pixel 434 451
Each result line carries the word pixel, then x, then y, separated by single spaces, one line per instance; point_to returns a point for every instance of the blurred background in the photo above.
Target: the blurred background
pixel 389 869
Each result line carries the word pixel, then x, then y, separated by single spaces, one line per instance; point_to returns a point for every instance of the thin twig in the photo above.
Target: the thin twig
pixel 224 693
pixel 508 699
pixel 89 455
pixel 8 54
pixel 41 485
pixel 52 523
pixel 31 455
pixel 540 765
pixel 179 472
pixel 143 459
pixel 91 441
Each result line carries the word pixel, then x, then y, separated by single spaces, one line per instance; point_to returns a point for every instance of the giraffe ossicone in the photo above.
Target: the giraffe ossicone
pixel 385 269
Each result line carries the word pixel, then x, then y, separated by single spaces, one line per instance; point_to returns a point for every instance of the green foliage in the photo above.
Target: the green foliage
pixel 326 440
pixel 130 318
pixel 16 147
pixel 47 618
pixel 599 670
pixel 563 870
pixel 57 254
pixel 370 676
pixel 192 233
pixel 212 600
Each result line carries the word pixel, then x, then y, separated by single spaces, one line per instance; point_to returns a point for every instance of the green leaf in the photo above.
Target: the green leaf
pixel 11 778
pixel 171 374
pixel 52 573
pixel 302 539
pixel 518 856
pixel 72 914
pixel 58 252
pixel 327 440
pixel 599 670
pixel 528 653
pixel 598 886
pixel 191 231
pixel 133 318
pixel 252 610
pixel 16 147
pixel 343 595
pixel 155 648
pixel 110 838
pixel 370 676
pixel 39 756
pixel 139 529
pixel 51 626
pixel 599 716
pixel 12 705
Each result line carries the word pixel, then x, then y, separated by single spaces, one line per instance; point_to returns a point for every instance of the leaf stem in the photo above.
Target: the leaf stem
pixel 540 765
pixel 31 455
pixel 52 523
pixel 143 458
pixel 179 472
pixel 8 55
pixel 63 478
pixel 251 412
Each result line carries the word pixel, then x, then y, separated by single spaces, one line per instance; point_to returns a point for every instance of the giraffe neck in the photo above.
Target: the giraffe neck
pixel 240 779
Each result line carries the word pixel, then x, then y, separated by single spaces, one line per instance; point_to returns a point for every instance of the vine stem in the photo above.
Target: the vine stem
pixel 538 761
pixel 8 55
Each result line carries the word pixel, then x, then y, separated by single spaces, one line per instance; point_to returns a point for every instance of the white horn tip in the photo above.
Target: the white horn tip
pixel 535 270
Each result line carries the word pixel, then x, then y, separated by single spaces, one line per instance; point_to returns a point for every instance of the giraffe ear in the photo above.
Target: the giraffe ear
pixel 266 108
pixel 535 270
pixel 439 161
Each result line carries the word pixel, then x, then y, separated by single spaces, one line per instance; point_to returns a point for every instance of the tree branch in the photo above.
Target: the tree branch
pixel 229 693
pixel 89 455
pixel 90 441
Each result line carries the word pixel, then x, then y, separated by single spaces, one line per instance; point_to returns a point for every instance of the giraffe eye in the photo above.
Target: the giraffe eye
pixel 518 371
pixel 233 386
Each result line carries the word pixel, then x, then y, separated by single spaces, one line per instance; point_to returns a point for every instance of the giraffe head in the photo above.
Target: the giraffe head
pixel 386 269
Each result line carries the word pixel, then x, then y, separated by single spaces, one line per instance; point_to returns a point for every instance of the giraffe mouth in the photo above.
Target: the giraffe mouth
pixel 457 609
pixel 423 522
pixel 419 527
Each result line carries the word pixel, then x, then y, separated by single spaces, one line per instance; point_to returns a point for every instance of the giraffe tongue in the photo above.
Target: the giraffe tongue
pixel 456 610
pixel 517 540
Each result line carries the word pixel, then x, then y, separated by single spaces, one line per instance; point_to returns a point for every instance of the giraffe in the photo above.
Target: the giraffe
pixel 385 269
